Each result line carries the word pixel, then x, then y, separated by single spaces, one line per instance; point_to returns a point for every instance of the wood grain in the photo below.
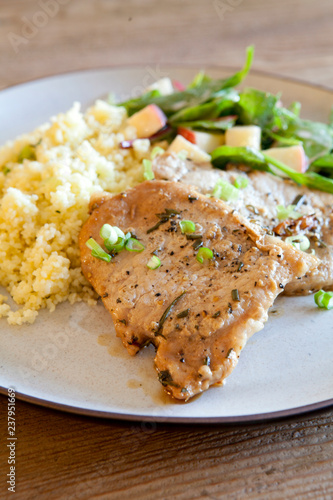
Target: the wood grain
pixel 61 456
pixel 292 37
pixel 67 456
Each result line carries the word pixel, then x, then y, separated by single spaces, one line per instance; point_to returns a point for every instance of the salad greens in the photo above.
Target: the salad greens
pixel 215 105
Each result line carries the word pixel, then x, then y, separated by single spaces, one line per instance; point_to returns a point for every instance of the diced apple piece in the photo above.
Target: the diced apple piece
pixel 164 86
pixel 206 141
pixel 148 121
pixel 243 136
pixel 292 156
pixel 180 144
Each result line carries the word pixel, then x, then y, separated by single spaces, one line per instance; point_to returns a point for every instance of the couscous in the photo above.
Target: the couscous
pixel 46 180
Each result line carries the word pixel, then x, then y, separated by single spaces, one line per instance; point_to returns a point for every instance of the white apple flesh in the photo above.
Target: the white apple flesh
pixel 292 156
pixel 193 152
pixel 204 140
pixel 243 136
pixel 164 86
pixel 148 121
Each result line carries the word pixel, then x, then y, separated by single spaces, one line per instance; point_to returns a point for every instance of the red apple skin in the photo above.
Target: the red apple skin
pixel 187 134
pixel 178 85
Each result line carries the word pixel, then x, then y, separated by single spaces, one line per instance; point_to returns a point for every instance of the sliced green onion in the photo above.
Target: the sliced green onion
pixel 120 233
pixel 323 299
pixel 225 191
pixel 157 151
pixel 301 242
pixel 97 250
pixel 318 298
pixel 26 153
pixel 203 254
pixel 148 173
pixel 117 247
pixel 241 182
pixel 154 262
pixel 133 245
pixel 187 226
pixel 182 154
pixel 327 300
pixel 287 212
pixel 109 234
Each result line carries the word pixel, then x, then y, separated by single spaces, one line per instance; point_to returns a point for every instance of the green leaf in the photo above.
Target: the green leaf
pixel 223 155
pixel 199 79
pixel 323 165
pixel 194 96
pixel 218 124
pixel 257 108
pixel 317 138
pixel 209 110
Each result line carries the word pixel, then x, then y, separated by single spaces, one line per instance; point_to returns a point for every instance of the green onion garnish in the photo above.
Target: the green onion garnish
pixel 235 295
pixel 133 245
pixel 117 247
pixel 157 151
pixel 148 173
pixel 301 242
pixel 324 300
pixel 182 154
pixel 225 191
pixel 154 262
pixel 97 250
pixel 203 254
pixel 27 153
pixel 109 234
pixel 187 226
pixel 241 182
pixel 287 212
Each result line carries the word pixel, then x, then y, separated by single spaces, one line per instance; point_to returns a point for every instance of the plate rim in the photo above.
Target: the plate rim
pixel 77 410
pixel 240 419
pixel 194 67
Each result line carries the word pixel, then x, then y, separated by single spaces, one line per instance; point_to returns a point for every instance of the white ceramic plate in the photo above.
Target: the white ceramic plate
pixel 71 359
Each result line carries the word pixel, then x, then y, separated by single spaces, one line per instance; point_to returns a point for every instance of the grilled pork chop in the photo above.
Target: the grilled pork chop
pixel 198 315
pixel 258 202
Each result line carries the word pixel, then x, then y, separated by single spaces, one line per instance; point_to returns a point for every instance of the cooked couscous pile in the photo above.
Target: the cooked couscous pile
pixel 46 180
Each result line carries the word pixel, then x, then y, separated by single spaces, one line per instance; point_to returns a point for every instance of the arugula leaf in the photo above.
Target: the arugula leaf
pixel 262 161
pixel 199 79
pixel 223 155
pixel 194 96
pixel 323 165
pixel 212 109
pixel 317 138
pixel 257 108
pixel 283 141
pixel 217 124
pixel 309 179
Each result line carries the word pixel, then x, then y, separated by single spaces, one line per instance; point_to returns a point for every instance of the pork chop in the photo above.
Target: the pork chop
pixel 198 315
pixel 258 202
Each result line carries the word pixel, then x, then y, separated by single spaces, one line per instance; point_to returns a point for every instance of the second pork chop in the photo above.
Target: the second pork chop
pixel 259 201
pixel 198 315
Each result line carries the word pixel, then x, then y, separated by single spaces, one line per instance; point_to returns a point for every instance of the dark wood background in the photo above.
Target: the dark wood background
pixel 66 456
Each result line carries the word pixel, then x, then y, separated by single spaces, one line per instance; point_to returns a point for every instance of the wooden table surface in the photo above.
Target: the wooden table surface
pixel 67 456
